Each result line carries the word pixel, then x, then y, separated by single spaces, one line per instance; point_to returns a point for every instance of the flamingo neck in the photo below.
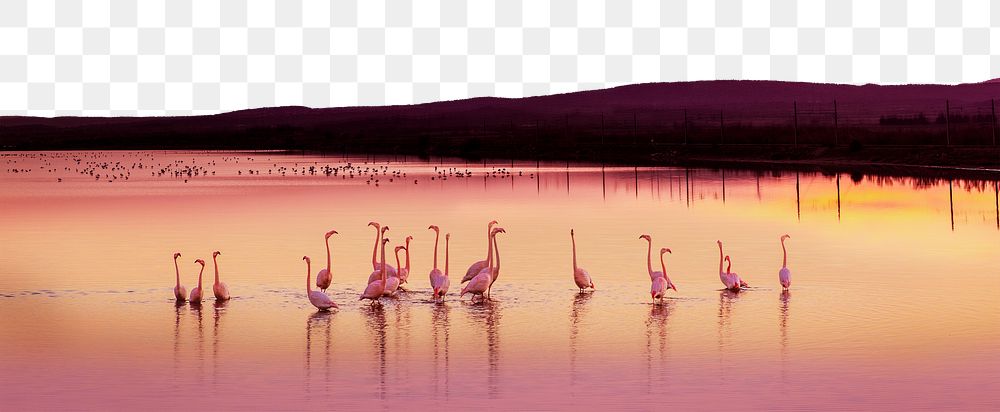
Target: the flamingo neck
pixel 489 254
pixel 397 260
pixel 178 272
pixel 497 249
pixel 720 258
pixel 308 277
pixel 663 266
pixel 437 234
pixel 215 263
pixel 649 257
pixel 328 254
pixel 574 251
pixel 446 241
pixel 199 275
pixel 407 255
pixel 383 264
pixel 378 235
pixel 784 254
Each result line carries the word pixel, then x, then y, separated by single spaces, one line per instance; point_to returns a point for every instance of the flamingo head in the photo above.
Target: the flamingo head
pixel 215 254
pixel 177 255
pixel 384 229
pixel 665 250
pixel 385 240
pixel 408 239
pixel 375 224
pixel 398 248
pixel 447 236
pixel 497 230
pixel 434 228
pixel 490 225
pixel 719 242
pixel 785 236
pixel 571 232
pixel 202 262
pixel 306 258
pixel 729 263
pixel 330 233
pixel 673 287
pixel 647 237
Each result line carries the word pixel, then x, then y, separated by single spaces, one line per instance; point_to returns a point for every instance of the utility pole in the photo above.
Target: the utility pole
pixel 795 120
pixel 836 129
pixel 685 126
pixel 947 122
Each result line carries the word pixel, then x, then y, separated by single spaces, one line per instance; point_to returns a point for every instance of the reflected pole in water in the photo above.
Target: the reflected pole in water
pixel 723 186
pixel 996 200
pixel 687 187
pixel 951 205
pixel 838 197
pixel 636 170
pixel 798 206
pixel 758 186
pixel 604 186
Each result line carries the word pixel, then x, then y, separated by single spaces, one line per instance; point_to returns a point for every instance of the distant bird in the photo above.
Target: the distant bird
pixel 196 292
pixel 374 289
pixel 439 281
pixel 580 275
pixel 180 293
pixel 220 289
pixel 318 299
pixel 475 268
pixel 649 258
pixel 784 275
pixel 376 275
pixel 324 277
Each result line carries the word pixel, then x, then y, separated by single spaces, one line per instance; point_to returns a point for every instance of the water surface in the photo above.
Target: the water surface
pixel 892 304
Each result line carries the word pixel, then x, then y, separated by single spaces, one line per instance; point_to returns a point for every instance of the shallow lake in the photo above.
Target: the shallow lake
pixel 893 303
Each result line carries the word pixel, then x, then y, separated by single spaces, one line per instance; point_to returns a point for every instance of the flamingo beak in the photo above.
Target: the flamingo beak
pixel 673 287
pixel 592 285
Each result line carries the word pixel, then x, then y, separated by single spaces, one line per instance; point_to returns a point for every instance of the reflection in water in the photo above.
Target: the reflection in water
pixel 798 202
pixel 726 300
pixel 576 312
pixel 178 305
pixel 317 320
pixel 951 205
pixel 440 331
pixel 375 320
pixel 783 324
pixel 220 309
pixel 489 313
pixel 656 324
pixel 196 308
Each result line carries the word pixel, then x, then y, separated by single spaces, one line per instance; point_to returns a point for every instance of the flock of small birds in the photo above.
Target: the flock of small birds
pixel 113 167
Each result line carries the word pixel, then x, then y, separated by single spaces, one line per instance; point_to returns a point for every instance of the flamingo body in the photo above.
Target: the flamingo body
pixel 658 288
pixel 180 293
pixel 318 299
pixel 221 291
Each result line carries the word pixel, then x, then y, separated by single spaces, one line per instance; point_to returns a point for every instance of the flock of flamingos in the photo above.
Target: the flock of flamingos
pixel 386 280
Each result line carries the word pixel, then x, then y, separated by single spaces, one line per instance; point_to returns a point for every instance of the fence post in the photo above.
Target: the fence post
pixel 795 117
pixel 947 122
pixel 836 126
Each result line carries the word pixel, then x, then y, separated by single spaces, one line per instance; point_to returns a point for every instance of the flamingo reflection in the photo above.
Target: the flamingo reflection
pixel 376 323
pixel 576 313
pixel 316 321
pixel 440 334
pixel 220 309
pixel 656 323
pixel 726 300
pixel 489 313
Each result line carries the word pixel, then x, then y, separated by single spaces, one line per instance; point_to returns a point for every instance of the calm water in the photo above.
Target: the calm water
pixel 893 303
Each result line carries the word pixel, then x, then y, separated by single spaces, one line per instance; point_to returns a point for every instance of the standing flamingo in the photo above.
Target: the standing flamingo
pixel 379 233
pixel 376 274
pixel 374 289
pixel 180 293
pixel 660 284
pixel 196 292
pixel 477 267
pixel 480 284
pixel 439 281
pixel 220 289
pixel 392 282
pixel 404 273
pixel 649 258
pixel 318 299
pixel 580 275
pixel 784 275
pixel 325 276
pixel 731 280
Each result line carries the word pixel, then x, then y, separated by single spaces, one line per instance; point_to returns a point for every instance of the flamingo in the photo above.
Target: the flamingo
pixel 670 284
pixel 439 281
pixel 392 282
pixel 374 289
pixel 318 299
pixel 376 275
pixel 649 261
pixel 379 233
pixel 220 289
pixel 475 268
pixel 784 275
pixel 180 293
pixel 660 284
pixel 404 273
pixel 580 275
pixel 196 292
pixel 731 280
pixel 324 277
pixel 480 284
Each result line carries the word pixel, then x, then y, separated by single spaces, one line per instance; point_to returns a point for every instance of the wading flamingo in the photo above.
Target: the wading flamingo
pixel 478 266
pixel 670 284
pixel 180 293
pixel 392 282
pixel 480 284
pixel 731 280
pixel 580 275
pixel 784 275
pixel 404 273
pixel 196 292
pixel 439 281
pixel 374 289
pixel 318 299
pixel 379 233
pixel 376 274
pixel 649 259
pixel 220 289
pixel 660 284
pixel 324 277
